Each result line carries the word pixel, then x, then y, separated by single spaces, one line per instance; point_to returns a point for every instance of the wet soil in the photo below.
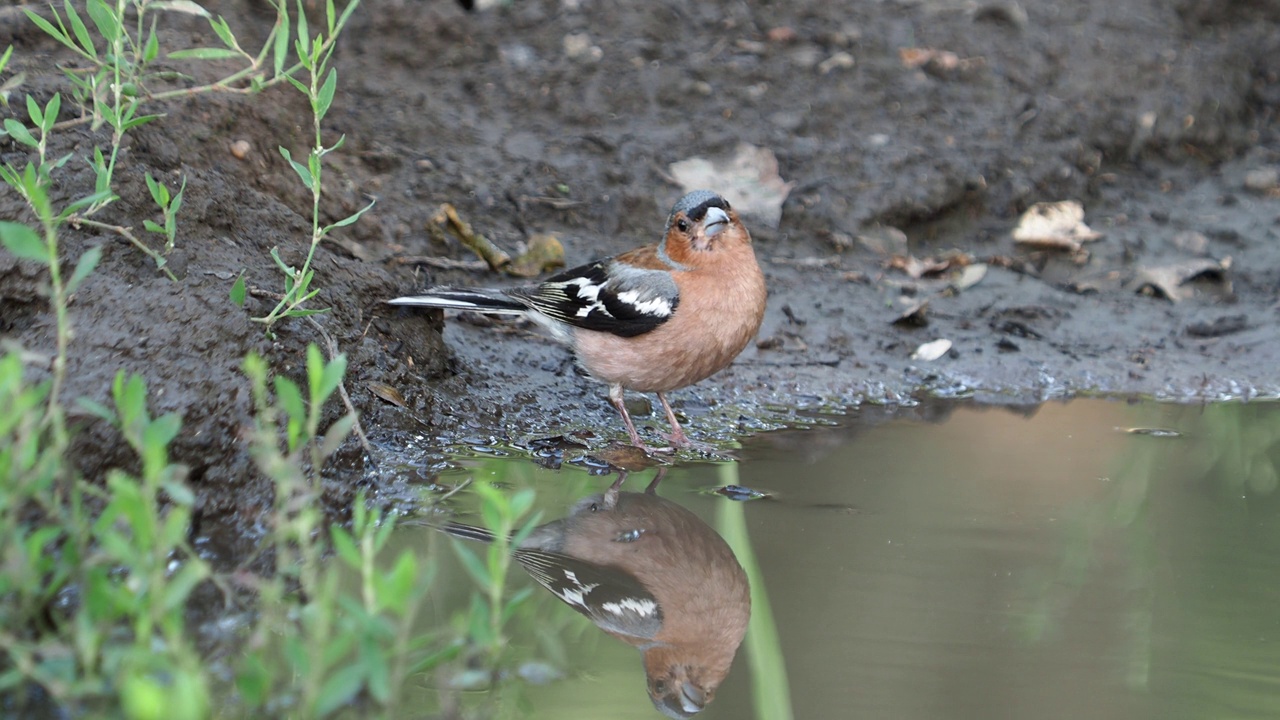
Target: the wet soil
pixel 563 116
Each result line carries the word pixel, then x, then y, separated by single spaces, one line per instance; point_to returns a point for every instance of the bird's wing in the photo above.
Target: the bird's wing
pixel 613 296
pixel 612 599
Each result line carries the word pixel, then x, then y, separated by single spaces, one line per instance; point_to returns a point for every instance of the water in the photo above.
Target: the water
pixel 1092 559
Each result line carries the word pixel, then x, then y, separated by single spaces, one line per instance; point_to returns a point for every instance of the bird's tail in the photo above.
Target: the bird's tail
pixel 478 300
pixel 466 532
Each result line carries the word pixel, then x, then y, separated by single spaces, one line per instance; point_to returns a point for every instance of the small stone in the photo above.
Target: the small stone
pixel 1263 179
pixel 840 61
pixel 240 149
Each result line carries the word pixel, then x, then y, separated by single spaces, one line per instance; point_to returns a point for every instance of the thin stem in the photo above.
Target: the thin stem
pixel 127 234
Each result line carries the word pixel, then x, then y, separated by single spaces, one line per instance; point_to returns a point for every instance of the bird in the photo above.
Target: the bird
pixel 654 319
pixel 650 573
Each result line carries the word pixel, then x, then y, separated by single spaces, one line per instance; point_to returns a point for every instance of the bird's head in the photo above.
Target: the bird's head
pixel 702 222
pixel 680 690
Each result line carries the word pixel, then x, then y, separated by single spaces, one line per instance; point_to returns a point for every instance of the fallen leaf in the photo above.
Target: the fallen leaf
pixel 969 276
pixel 1054 226
pixel 1169 279
pixel 749 180
pixel 914 315
pixel 386 392
pixel 544 253
pixel 931 351
pixel 885 241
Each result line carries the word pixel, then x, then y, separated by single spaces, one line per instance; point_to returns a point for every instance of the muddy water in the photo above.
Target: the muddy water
pixel 1090 559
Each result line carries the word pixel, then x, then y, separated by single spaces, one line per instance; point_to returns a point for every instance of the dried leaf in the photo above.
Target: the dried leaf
pixel 885 241
pixel 749 180
pixel 1169 279
pixel 386 392
pixel 969 276
pixel 931 351
pixel 1057 225
pixel 914 315
pixel 544 253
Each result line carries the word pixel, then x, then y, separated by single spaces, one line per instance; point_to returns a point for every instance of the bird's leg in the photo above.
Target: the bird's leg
pixel 611 495
pixel 652 489
pixel 677 437
pixel 615 397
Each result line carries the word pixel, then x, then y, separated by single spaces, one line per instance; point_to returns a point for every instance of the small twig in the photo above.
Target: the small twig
pixel 443 263
pixel 342 389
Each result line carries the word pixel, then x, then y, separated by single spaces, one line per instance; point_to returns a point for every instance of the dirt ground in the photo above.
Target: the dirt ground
pixel 563 116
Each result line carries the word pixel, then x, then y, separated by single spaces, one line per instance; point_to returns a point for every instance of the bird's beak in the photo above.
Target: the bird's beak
pixel 692 699
pixel 715 221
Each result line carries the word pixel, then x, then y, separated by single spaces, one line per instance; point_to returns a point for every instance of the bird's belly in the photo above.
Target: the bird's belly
pixel 667 358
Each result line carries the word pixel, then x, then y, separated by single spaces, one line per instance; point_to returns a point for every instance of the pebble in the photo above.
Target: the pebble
pixel 240 149
pixel 1263 179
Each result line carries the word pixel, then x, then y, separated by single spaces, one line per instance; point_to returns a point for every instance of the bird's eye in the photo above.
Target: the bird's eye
pixel 594 507
pixel 660 687
pixel 683 225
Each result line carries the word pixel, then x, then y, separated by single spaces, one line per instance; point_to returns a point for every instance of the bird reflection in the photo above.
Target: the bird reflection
pixel 652 574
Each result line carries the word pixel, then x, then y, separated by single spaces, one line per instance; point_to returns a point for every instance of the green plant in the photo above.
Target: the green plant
pixel 315 53
pixel 129 565
pixel 317 646
pixel 119 47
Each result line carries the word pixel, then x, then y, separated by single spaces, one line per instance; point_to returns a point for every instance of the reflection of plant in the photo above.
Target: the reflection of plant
pixel 1230 448
pixel 491 609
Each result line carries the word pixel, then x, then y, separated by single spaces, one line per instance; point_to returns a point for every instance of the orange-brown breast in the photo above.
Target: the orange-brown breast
pixel 722 302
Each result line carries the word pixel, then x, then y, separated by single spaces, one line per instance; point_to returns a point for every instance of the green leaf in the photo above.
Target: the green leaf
pixel 192 573
pixel 351 218
pixel 210 53
pixel 49 29
pixel 153 226
pixel 254 680
pixel 346 548
pixel 179 493
pixel 19 132
pixel 182 6
pixel 324 98
pixel 78 27
pixel 303 312
pixel 105 19
pixel 23 242
pixel 339 689
pixel 140 120
pixel 336 434
pixel 472 564
pixel 290 399
pixel 93 407
pixel 159 192
pixel 299 168
pixel 280 53
pixel 34 111
pixel 223 31
pixel 85 265
pixel 238 291
pixel 161 431
pixel 328 376
pixel 152 49
pixel 130 395
pixel 51 113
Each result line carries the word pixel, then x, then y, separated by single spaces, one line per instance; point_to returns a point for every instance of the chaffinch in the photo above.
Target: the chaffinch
pixel 653 319
pixel 652 574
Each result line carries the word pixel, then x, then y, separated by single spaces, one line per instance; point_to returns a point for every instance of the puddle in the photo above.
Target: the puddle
pixel 1090 559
